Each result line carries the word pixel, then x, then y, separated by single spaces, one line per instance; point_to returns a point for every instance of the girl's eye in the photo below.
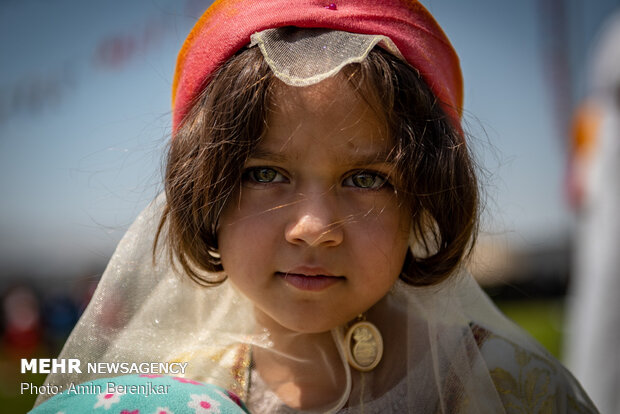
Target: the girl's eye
pixel 264 175
pixel 366 180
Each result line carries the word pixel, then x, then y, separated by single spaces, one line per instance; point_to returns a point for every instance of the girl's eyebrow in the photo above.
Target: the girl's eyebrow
pixel 382 157
pixel 369 158
pixel 265 154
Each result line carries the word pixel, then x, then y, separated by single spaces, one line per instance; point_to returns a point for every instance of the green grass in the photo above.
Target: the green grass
pixel 11 398
pixel 542 318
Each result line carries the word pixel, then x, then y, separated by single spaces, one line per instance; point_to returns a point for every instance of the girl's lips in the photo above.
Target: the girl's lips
pixel 312 283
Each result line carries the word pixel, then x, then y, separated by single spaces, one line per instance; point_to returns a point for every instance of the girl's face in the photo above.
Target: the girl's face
pixel 317 234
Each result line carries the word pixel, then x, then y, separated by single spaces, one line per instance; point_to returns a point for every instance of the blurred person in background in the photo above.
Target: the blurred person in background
pixel 22 322
pixel 594 188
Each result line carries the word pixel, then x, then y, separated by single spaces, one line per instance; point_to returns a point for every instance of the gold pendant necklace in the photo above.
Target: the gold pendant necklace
pixel 363 345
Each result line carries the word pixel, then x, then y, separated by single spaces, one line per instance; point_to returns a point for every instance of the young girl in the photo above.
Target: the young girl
pixel 319 203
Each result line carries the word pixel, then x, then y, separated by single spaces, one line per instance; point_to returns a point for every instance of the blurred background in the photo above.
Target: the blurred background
pixel 85 118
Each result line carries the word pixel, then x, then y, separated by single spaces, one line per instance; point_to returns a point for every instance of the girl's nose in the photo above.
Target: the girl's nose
pixel 315 224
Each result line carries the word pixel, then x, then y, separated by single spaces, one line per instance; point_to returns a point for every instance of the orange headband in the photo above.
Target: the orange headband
pixel 227 25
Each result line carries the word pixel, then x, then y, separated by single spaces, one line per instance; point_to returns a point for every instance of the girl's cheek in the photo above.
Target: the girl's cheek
pixel 262 200
pixel 383 220
pixel 380 205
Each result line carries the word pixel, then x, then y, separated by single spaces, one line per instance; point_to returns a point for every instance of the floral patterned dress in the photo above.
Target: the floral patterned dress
pixel 143 394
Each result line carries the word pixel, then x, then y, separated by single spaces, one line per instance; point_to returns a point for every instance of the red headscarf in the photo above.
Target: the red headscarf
pixel 227 26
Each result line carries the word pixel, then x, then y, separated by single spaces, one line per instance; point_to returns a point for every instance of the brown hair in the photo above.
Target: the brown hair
pixel 436 176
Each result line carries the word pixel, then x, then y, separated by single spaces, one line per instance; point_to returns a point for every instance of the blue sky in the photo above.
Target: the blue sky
pixel 85 116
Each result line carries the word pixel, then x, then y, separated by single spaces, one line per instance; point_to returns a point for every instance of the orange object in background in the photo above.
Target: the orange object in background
pixel 585 130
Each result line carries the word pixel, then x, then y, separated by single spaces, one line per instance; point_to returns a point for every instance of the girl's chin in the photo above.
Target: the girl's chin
pixel 286 325
pixel 307 327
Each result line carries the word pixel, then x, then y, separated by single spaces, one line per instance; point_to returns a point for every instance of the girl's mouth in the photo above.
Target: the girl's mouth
pixel 311 283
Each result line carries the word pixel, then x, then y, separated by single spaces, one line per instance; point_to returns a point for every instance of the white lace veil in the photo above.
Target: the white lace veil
pixel 446 348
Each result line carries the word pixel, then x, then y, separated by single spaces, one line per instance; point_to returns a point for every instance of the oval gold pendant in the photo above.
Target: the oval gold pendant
pixel 364 346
